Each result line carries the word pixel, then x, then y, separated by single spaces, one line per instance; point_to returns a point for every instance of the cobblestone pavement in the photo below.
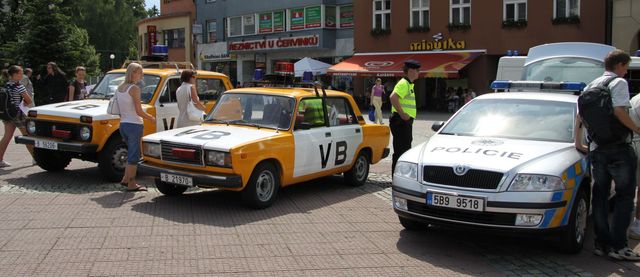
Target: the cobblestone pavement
pixel 75 224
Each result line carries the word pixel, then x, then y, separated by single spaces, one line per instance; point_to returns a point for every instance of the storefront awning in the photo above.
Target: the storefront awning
pixel 441 64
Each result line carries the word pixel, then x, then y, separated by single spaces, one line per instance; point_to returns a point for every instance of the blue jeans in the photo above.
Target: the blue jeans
pixel 132 135
pixel 617 164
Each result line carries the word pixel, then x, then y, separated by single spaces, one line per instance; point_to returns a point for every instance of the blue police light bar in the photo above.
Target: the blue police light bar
pixel 537 85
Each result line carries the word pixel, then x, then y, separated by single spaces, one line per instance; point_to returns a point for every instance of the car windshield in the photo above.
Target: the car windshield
pixel 110 82
pixel 257 110
pixel 564 69
pixel 515 119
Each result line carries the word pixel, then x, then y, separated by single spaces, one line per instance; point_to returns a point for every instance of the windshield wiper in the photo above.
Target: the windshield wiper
pixel 244 122
pixel 217 121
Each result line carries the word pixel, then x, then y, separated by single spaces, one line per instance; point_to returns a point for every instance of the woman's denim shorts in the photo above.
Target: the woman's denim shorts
pixel 132 136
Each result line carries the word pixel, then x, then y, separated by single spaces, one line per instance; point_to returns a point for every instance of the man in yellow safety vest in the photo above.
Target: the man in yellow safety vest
pixel 403 107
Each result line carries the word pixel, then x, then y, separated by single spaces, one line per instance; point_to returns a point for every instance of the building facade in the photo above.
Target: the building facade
pixel 172 28
pixel 483 30
pixel 241 36
pixel 625 33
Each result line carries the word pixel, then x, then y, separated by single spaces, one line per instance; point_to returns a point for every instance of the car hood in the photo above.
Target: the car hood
pixel 95 108
pixel 212 137
pixel 494 154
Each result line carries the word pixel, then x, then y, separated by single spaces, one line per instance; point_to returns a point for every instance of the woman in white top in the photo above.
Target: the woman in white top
pixel 185 93
pixel 131 123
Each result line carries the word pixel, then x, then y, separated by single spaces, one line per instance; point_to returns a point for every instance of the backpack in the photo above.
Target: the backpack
pixel 596 112
pixel 8 109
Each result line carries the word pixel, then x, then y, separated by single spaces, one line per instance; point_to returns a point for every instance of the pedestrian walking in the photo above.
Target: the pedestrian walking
pixel 78 88
pixel 131 123
pixel 54 84
pixel 612 158
pixel 634 114
pixel 377 92
pixel 186 93
pixel 18 94
pixel 403 108
pixel 26 82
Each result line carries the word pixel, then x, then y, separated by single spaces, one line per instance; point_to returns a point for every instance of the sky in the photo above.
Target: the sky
pixel 150 3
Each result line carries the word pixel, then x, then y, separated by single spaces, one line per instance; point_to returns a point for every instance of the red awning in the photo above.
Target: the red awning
pixel 442 64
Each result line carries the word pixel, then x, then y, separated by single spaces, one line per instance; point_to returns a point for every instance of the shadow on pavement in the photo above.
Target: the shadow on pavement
pixel 76 181
pixel 225 208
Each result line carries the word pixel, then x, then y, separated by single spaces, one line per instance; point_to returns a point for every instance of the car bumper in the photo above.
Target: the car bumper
pixel 501 209
pixel 62 146
pixel 200 180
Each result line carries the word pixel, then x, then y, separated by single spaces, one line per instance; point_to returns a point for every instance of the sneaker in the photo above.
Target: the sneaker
pixel 4 164
pixel 634 230
pixel 624 254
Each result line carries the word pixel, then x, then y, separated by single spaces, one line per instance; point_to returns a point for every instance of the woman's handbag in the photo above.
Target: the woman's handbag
pixel 113 107
pixel 193 113
pixel 372 113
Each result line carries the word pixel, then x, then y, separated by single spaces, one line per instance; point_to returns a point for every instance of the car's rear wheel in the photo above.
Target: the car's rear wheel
pixel 263 186
pixel 113 159
pixel 572 239
pixel 51 160
pixel 169 189
pixel 357 175
pixel 412 225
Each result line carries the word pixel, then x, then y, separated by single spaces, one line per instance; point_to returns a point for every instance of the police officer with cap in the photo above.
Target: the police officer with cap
pixel 403 107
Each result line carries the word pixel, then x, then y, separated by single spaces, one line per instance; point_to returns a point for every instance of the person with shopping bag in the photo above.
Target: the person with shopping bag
pixel 187 96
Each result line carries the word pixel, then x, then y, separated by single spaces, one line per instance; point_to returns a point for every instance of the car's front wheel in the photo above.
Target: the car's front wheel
pixel 263 186
pixel 113 159
pixel 572 239
pixel 51 160
pixel 169 189
pixel 357 175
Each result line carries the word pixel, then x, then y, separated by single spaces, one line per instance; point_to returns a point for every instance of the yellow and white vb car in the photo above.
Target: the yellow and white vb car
pixel 257 140
pixel 83 129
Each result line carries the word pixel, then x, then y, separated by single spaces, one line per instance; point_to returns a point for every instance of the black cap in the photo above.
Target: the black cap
pixel 412 64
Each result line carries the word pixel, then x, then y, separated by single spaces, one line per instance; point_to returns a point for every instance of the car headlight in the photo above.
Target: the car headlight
pixel 218 158
pixel 406 170
pixel 533 182
pixel 31 127
pixel 85 133
pixel 151 149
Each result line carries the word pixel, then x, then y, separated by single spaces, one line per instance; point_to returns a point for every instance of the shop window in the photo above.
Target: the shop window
pixel 515 10
pixel 235 26
pixel 174 38
pixel 460 13
pixel 249 24
pixel 212 30
pixel 419 13
pixel 566 8
pixel 382 14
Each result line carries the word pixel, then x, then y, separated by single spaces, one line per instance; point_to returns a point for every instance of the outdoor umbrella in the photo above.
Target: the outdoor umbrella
pixel 311 65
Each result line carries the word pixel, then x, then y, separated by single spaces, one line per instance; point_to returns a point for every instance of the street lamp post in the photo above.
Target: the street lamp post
pixel 112 56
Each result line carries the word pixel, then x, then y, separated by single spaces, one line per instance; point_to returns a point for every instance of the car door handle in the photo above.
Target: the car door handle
pixel 327 134
pixel 357 131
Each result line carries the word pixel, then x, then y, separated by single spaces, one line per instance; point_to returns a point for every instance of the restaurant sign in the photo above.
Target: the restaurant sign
pixel 274 44
pixel 438 43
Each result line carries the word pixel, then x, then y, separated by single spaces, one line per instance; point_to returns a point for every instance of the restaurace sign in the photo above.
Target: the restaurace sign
pixel 438 43
pixel 272 44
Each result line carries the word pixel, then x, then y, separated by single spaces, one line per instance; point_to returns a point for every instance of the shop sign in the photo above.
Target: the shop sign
pixel 151 37
pixel 278 21
pixel 273 44
pixel 438 43
pixel 265 23
pixel 213 51
pixel 329 16
pixel 346 16
pixel 297 19
pixel 313 17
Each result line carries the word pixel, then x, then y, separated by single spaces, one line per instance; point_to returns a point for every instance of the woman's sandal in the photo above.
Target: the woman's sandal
pixel 138 188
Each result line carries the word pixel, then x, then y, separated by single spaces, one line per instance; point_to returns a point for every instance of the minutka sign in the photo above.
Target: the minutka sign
pixel 274 44
pixel 438 43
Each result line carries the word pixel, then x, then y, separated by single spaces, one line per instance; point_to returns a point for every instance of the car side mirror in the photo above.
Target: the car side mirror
pixel 302 126
pixel 437 125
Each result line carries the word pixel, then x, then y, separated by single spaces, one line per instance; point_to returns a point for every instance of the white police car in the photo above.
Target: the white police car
pixel 505 161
